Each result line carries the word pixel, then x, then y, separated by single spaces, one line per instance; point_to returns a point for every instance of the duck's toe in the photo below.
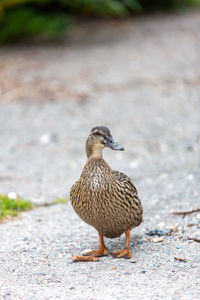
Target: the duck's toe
pixel 97 253
pixel 125 253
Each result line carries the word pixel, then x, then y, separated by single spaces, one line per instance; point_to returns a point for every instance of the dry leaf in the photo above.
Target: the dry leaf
pixel 82 258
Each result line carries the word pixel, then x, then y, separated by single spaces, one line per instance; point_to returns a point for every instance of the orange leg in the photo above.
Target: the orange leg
pixel 125 253
pixel 102 251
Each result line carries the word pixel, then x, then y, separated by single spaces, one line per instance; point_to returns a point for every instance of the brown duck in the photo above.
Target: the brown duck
pixel 103 198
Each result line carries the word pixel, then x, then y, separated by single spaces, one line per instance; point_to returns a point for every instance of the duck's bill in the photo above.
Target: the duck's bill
pixel 113 145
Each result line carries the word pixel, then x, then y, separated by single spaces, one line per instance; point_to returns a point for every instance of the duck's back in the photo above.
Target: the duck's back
pixel 106 199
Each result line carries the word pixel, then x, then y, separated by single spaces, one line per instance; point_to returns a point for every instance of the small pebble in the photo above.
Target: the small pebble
pixel 47 138
pixel 159 232
pixel 86 250
pixel 140 242
pixel 161 225
pixel 178 247
pixel 134 164
pixel 158 239
pixel 190 177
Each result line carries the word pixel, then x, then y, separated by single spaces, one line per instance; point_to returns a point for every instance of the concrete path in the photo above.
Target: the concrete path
pixel 140 78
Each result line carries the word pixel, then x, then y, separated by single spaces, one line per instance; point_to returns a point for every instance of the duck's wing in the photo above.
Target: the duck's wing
pixel 131 198
pixel 125 181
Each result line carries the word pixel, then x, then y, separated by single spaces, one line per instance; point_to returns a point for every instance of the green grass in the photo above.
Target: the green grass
pixel 11 207
pixel 60 201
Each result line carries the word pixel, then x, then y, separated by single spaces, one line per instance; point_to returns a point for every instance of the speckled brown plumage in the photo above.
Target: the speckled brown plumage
pixel 103 198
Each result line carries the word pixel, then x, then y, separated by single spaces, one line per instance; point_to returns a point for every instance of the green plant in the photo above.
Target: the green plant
pixel 152 5
pixel 11 207
pixel 60 201
pixel 22 19
pixel 21 22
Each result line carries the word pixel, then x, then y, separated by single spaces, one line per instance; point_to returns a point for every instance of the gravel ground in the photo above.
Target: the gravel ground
pixel 141 79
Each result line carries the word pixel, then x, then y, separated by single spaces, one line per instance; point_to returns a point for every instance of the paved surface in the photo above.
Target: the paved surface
pixel 141 78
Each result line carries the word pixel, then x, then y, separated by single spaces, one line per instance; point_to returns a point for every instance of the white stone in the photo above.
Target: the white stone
pixel 12 195
pixel 134 164
pixel 161 225
pixel 45 139
pixel 190 177
pixel 85 251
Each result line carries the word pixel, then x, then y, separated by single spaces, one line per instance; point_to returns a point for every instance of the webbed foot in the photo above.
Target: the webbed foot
pixel 125 253
pixel 97 253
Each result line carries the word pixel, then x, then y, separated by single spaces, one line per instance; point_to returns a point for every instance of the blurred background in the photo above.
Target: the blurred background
pixel 132 65
pixel 22 19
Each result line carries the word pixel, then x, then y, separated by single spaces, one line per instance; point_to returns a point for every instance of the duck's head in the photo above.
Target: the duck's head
pixel 99 138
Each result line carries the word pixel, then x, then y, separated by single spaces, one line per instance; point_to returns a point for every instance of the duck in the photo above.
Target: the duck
pixel 104 198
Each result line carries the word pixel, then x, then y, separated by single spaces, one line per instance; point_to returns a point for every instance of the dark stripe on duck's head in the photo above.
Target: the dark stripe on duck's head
pixel 101 130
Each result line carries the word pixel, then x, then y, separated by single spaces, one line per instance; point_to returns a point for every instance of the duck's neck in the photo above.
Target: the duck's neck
pixel 94 152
